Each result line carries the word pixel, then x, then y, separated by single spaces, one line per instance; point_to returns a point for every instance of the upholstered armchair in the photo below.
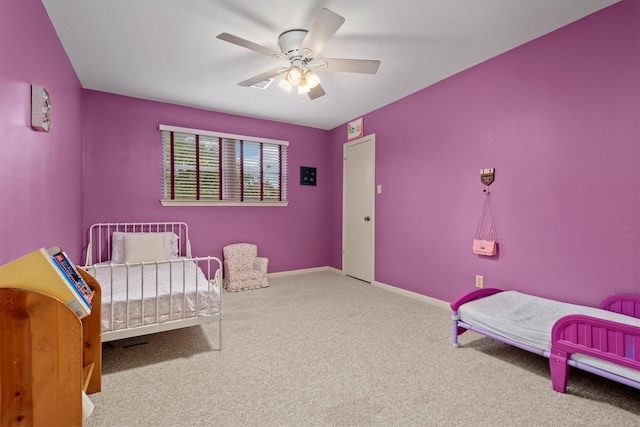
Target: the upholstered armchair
pixel 243 268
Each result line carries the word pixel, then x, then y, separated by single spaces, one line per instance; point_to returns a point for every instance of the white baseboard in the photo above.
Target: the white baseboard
pixel 419 297
pixel 303 271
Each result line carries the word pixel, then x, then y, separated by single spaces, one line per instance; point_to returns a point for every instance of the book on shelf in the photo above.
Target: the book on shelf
pixel 63 261
pixel 39 271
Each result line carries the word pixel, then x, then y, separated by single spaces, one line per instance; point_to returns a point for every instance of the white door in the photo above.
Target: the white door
pixel 358 223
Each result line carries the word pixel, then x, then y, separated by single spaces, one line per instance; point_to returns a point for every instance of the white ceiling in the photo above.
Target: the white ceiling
pixel 167 50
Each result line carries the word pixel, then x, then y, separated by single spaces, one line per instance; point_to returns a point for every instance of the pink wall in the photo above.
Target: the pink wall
pixel 40 173
pixel 123 180
pixel 558 119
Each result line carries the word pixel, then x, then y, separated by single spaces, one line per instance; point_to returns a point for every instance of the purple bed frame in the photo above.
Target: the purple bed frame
pixel 603 339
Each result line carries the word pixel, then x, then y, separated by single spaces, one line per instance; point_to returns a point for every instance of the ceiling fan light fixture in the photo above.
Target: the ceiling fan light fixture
pixel 303 86
pixel 294 76
pixel 302 89
pixel 311 79
pixel 285 85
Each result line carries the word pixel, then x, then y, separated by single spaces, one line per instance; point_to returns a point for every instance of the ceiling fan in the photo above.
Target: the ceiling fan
pixel 300 48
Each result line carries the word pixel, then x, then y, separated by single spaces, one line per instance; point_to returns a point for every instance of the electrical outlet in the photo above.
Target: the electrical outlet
pixel 479 281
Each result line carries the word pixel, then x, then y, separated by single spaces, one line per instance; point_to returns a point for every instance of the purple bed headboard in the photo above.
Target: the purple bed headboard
pixel 622 303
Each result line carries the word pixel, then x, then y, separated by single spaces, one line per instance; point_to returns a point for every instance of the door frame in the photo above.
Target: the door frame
pixel 371 138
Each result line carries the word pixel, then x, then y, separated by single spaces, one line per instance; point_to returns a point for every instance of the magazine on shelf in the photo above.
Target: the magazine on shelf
pixel 61 258
pixel 38 271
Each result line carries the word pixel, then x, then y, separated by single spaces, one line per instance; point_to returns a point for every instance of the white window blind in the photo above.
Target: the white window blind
pixel 231 170
pixel 206 166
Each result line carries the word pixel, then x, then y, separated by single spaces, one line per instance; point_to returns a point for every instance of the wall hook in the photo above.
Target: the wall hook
pixel 487 176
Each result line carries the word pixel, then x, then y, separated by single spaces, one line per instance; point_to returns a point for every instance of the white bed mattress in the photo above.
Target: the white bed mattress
pixel 191 294
pixel 528 319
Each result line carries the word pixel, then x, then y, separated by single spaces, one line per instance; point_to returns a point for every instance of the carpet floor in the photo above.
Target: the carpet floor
pixel 322 349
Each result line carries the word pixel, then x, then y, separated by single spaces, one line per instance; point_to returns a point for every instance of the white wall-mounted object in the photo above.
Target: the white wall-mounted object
pixel 40 109
pixel 355 129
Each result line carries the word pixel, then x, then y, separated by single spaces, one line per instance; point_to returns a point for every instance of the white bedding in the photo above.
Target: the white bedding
pixel 528 319
pixel 191 293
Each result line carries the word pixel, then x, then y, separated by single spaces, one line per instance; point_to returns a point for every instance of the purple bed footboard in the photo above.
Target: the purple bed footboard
pixel 602 339
pixel 599 338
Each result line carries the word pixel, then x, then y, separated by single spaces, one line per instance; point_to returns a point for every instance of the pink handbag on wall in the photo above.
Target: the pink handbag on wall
pixel 486 245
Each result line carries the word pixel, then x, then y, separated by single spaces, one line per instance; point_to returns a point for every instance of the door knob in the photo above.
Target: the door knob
pixel 367 218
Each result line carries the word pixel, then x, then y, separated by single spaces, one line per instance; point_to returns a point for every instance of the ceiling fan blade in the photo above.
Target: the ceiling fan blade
pixel 264 76
pixel 316 92
pixel 323 28
pixel 363 66
pixel 251 45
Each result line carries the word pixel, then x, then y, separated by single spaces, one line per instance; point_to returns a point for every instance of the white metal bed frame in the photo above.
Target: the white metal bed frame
pixel 98 256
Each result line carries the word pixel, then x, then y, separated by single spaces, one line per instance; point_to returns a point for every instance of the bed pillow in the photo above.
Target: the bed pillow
pixel 140 247
pixel 117 247
pixel 169 244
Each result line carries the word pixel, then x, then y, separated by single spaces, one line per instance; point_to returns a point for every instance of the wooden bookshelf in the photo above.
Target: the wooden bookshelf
pixel 47 356
pixel 92 335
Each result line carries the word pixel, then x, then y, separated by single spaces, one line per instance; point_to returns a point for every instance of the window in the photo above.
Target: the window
pixel 203 168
